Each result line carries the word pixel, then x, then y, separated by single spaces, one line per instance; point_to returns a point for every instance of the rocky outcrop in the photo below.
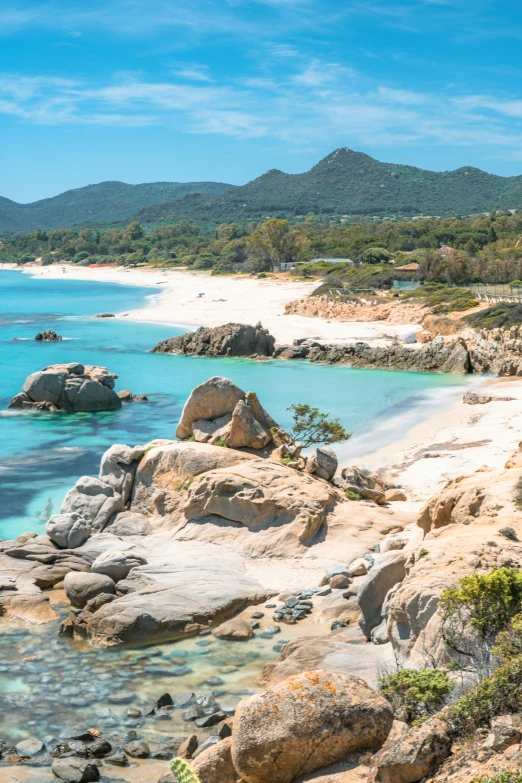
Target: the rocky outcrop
pixel 323 463
pixel 215 764
pixel 81 587
pixel 48 336
pixel 93 500
pixel 68 387
pixel 305 723
pixel 237 628
pixel 67 531
pixel 227 340
pixel 441 355
pixel 116 564
pixel 385 573
pixel 219 412
pixel 413 755
pixel 473 398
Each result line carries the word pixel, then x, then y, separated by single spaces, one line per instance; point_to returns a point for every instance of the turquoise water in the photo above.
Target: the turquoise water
pixel 42 455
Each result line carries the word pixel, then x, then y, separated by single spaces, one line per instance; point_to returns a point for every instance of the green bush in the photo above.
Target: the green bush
pixel 499 316
pixel 443 299
pixel 508 643
pixel 352 495
pixel 484 603
pixel 499 694
pixel 416 694
pixel 504 776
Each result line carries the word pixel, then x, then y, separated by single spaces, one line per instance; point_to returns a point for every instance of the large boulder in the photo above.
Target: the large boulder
pixel 307 722
pixel 210 400
pixel 214 765
pixel 226 340
pixel 80 587
pixel 170 466
pixel 387 572
pixel 70 387
pixel 118 467
pixel 67 531
pixel 323 463
pixel 260 495
pixel 413 755
pixel 245 431
pixel 94 500
pixel 196 587
pixel 117 564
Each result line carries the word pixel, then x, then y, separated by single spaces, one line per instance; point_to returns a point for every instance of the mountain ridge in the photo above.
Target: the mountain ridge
pixel 108 202
pixel 345 183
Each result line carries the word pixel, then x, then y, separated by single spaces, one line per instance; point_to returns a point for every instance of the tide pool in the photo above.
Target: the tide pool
pixel 42 455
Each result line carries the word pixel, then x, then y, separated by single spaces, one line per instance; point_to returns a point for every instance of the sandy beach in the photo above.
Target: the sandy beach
pixel 238 299
pixel 447 444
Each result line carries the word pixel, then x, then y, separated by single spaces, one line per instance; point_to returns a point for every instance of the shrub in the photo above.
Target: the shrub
pixel 517 499
pixel 508 643
pixel 352 495
pixel 484 603
pixel 416 694
pixel 499 694
pixel 501 315
pixel 504 776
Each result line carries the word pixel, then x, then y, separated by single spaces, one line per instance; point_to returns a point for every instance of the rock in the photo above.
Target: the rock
pixel 237 628
pixel 67 531
pixel 204 431
pixel 48 336
pixel 245 431
pixel 263 495
pixel 226 340
pixel 394 495
pixel 206 721
pixel 129 523
pixel 504 732
pixel 99 748
pixel 359 567
pixel 203 586
pixel 94 500
pixel 137 749
pixel 164 701
pixel 322 463
pixel 391 543
pixel 118 468
pixel 210 400
pixel 215 764
pixel 57 385
pixel 188 747
pixel 73 770
pixel 460 499
pixel 125 395
pixel 81 587
pixel 105 315
pixel 259 413
pixel 386 572
pixel 474 398
pixel 305 723
pixel 340 582
pixel 118 759
pixel 93 604
pixel 29 747
pixel 413 755
pixel 117 564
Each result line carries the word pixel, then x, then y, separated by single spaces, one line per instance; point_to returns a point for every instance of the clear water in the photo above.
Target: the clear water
pixel 47 682
pixel 43 455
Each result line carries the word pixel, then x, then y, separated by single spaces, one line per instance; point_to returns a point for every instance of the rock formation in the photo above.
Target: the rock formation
pixel 219 412
pixel 48 336
pixel 68 387
pixel 227 340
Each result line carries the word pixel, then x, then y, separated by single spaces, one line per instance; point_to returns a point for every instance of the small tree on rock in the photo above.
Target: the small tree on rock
pixel 311 426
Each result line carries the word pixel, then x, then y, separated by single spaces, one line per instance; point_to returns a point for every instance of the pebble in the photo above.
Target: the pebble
pixel 118 759
pixel 210 720
pixel 215 681
pixel 30 747
pixel 324 591
pixel 213 740
pixel 184 699
pixel 257 615
pixel 291 601
pixel 137 750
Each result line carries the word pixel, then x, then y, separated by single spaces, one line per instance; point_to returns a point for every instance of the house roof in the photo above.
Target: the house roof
pixel 412 267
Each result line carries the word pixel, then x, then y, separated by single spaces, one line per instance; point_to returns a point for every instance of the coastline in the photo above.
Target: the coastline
pixel 446 434
pixel 235 298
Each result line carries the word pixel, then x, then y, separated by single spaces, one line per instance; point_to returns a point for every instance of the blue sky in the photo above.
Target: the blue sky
pixel 180 90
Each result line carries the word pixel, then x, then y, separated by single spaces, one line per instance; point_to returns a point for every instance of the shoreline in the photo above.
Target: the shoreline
pixel 494 426
pixel 235 298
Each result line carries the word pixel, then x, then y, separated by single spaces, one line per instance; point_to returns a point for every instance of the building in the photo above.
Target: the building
pixel 332 261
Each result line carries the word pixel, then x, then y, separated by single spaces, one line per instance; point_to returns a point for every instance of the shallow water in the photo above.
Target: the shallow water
pixel 43 455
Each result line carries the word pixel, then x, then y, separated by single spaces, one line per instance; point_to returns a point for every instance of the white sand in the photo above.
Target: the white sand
pixel 455 443
pixel 238 299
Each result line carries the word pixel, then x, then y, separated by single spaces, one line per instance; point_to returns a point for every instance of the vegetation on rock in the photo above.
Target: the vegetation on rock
pixel 415 695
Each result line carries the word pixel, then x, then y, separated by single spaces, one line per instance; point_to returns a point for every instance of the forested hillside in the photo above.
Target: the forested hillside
pixel 344 184
pixel 107 202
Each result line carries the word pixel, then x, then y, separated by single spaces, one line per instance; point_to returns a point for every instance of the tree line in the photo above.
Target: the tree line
pixel 483 248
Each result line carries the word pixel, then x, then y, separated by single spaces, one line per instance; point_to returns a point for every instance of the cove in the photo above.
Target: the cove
pixel 43 455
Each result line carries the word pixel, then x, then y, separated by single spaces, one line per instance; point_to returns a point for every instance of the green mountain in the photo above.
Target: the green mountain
pixel 347 183
pixel 107 202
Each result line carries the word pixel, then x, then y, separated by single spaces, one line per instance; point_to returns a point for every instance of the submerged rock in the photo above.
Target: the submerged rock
pixel 70 387
pixel 227 340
